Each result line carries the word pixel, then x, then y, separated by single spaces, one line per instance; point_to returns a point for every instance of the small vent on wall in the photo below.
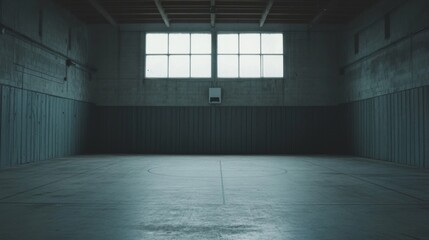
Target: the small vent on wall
pixel 215 95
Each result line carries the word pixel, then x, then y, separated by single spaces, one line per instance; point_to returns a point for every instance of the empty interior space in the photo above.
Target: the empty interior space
pixel 214 119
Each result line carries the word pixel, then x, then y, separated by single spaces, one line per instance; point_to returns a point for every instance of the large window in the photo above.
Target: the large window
pixel 178 55
pixel 250 55
pixel 239 55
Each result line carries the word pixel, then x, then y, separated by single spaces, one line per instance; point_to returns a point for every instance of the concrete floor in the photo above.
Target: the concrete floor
pixel 213 197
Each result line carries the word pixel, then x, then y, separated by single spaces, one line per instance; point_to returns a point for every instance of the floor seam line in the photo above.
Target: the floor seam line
pixel 221 181
pixel 370 182
pixel 53 182
pixel 152 204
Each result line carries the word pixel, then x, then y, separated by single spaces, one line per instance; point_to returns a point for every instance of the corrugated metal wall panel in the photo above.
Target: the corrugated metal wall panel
pixel 1 120
pixel 5 118
pixel 219 130
pixel 426 126
pixel 37 126
pixel 392 127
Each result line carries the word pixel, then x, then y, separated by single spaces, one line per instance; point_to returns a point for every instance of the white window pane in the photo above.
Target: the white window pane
pixel 178 66
pixel 272 43
pixel 227 66
pixel 201 66
pixel 179 43
pixel 156 66
pixel 250 66
pixel 272 66
pixel 156 43
pixel 250 43
pixel 201 43
pixel 227 43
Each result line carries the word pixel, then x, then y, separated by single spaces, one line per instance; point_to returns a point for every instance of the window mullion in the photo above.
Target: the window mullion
pixel 239 56
pixel 168 55
pixel 261 74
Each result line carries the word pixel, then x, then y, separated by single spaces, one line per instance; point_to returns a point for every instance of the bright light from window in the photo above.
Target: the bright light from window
pixel 201 66
pixel 250 43
pixel 156 66
pixel 227 66
pixel 250 55
pixel 179 43
pixel 250 66
pixel 272 43
pixel 201 44
pixel 178 55
pixel 227 43
pixel 157 43
pixel 178 66
pixel 272 66
pixel 239 55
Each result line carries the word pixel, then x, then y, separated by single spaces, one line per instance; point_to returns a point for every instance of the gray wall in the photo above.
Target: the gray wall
pixel 30 66
pixel 392 127
pixel 311 70
pixel 378 96
pixel 289 115
pixel 36 126
pixel 385 85
pixel 218 130
pixel 382 65
pixel 42 116
pixel 377 107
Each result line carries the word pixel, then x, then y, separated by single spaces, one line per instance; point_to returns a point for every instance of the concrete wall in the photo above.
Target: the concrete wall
pixel 26 64
pixel 382 65
pixel 311 70
pixel 385 85
pixel 382 90
pixel 42 116
pixel 289 115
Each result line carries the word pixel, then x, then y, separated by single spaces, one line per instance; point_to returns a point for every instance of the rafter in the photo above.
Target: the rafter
pixel 103 12
pixel 213 12
pixel 266 12
pixel 328 7
pixel 162 12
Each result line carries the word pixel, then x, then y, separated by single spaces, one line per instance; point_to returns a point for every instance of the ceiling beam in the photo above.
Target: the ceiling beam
pixel 213 12
pixel 317 18
pixel 266 12
pixel 162 12
pixel 103 12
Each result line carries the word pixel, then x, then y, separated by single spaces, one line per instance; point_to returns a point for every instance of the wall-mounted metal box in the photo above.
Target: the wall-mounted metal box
pixel 215 95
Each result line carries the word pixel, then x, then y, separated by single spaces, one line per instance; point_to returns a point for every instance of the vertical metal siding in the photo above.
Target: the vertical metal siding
pixel 392 127
pixel 218 130
pixel 35 126
pixel 426 126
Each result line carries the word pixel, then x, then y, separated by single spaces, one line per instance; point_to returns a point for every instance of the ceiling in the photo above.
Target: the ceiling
pixel 232 11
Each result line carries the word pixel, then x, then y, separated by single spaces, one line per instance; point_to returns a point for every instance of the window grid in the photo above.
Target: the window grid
pixel 189 55
pixel 239 54
pixel 261 57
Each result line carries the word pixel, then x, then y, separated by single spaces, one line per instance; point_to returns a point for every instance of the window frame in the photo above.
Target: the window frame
pixel 261 55
pixel 190 54
pixel 214 55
